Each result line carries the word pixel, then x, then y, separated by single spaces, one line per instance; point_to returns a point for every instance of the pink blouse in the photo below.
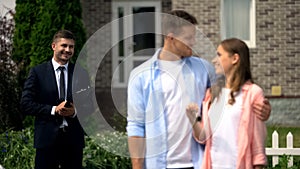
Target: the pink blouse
pixel 251 135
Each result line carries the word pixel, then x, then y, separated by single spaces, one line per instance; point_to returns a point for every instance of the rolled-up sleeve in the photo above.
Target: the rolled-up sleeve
pixel 259 135
pixel 135 107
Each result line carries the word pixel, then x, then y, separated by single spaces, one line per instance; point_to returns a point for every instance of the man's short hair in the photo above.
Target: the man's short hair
pixel 174 20
pixel 63 34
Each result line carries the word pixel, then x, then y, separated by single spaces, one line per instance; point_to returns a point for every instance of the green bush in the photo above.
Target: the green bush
pixel 17 152
pixel 37 21
pixel 104 150
pixel 282 163
pixel 101 150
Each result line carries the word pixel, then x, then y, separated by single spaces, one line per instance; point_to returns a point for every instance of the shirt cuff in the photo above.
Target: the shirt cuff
pixel 53 110
pixel 135 130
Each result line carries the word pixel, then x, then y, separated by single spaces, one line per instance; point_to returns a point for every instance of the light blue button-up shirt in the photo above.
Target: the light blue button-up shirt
pixel 146 116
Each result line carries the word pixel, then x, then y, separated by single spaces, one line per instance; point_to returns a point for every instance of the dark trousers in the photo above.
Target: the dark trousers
pixel 62 155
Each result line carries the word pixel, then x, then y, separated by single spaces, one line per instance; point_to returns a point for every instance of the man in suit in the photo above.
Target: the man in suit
pixel 58 135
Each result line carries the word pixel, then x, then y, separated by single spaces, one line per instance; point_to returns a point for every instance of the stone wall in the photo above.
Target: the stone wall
pixel 285 112
pixel 207 13
pixel 276 59
pixel 96 14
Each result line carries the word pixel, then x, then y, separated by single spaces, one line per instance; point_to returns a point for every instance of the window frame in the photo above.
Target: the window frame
pixel 252 34
pixel 128 28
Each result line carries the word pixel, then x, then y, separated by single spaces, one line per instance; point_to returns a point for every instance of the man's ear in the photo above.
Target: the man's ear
pixel 53 45
pixel 170 36
pixel 235 58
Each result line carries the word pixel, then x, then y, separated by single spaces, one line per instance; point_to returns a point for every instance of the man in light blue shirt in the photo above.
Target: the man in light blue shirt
pixel 158 92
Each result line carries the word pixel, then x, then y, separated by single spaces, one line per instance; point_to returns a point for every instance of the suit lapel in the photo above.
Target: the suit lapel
pixel 52 79
pixel 70 75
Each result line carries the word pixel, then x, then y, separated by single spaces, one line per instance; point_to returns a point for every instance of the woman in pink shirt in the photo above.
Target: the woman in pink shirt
pixel 233 134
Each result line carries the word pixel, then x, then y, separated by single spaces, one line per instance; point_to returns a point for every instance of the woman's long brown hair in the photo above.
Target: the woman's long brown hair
pixel 241 71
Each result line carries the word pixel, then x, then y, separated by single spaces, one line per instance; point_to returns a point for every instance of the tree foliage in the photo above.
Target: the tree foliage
pixel 25 42
pixel 36 23
pixel 9 112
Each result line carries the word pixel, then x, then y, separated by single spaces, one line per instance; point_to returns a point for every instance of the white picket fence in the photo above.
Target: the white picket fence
pixel 275 151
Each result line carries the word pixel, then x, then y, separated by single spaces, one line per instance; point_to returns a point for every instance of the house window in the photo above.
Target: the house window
pixel 238 20
pixel 132 48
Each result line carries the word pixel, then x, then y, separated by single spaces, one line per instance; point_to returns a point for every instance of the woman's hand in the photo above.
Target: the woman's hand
pixel 192 111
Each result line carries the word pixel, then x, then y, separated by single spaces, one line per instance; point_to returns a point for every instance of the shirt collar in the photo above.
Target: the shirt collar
pixel 155 60
pixel 56 65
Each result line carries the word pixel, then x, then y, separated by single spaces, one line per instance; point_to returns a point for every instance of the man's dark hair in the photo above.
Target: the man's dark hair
pixel 184 15
pixel 174 20
pixel 63 34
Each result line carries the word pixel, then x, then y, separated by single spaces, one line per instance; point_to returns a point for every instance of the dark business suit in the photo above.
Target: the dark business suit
pixel 39 95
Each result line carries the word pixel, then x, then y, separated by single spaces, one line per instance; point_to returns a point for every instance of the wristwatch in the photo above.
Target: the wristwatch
pixel 198 118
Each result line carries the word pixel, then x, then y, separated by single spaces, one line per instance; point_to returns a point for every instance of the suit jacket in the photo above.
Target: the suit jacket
pixel 39 95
